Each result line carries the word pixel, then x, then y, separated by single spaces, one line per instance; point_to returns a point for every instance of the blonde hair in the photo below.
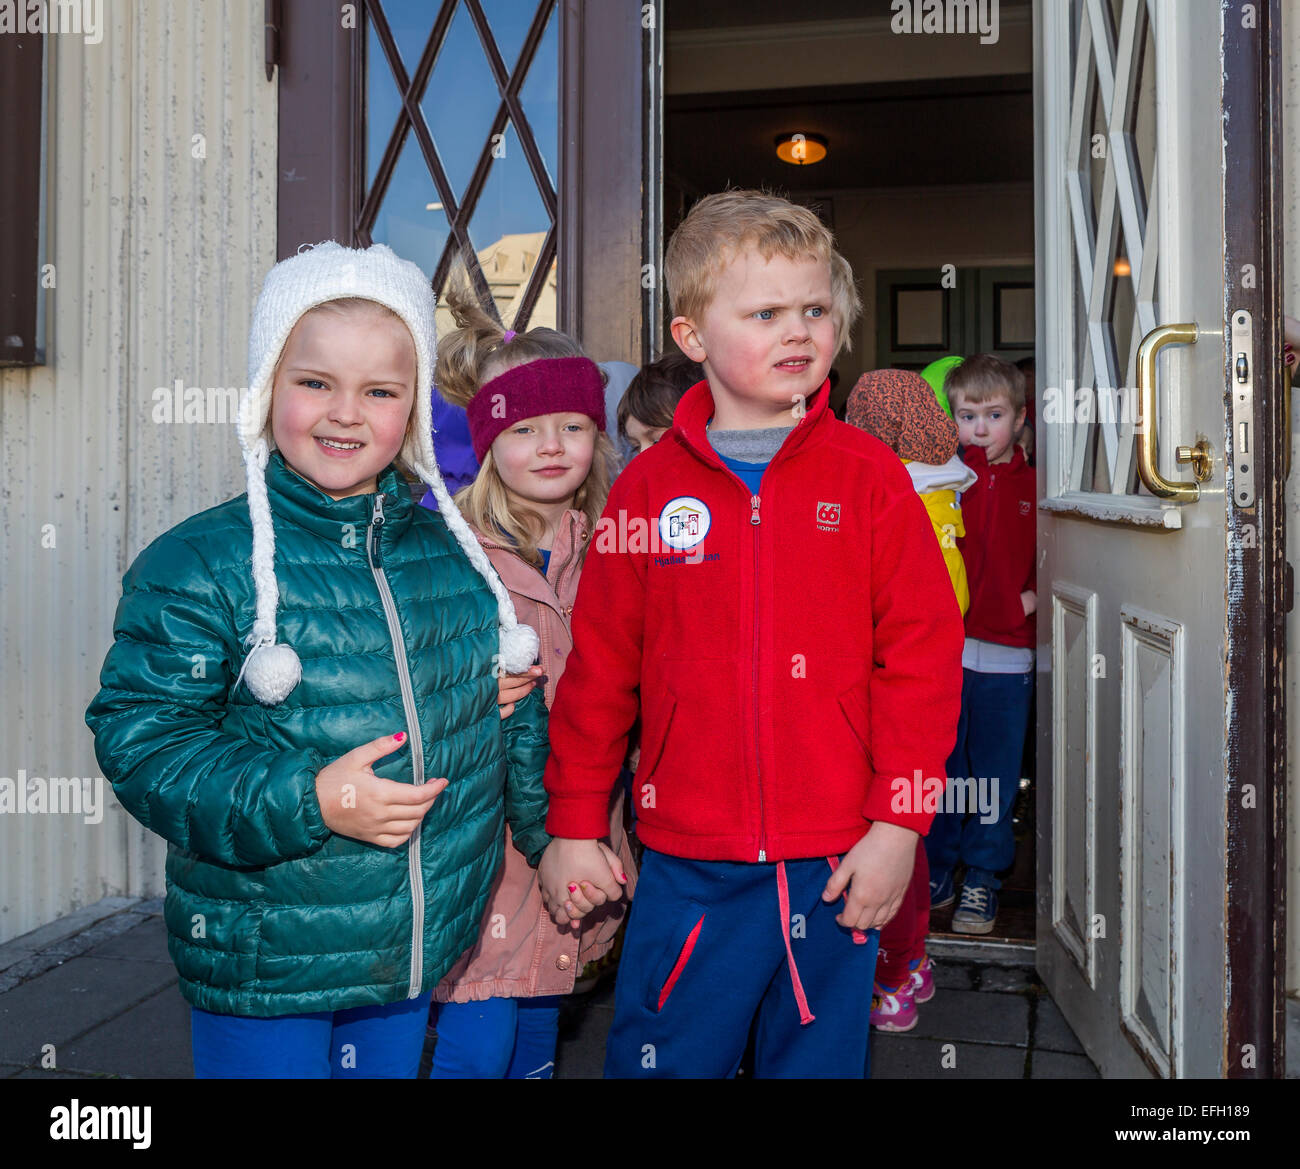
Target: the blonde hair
pixel 720 226
pixel 359 306
pixel 474 353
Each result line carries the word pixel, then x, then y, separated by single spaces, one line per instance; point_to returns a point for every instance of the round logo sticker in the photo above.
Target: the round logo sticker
pixel 683 522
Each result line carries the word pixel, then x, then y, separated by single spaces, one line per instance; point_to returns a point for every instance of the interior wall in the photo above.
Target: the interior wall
pixel 926 228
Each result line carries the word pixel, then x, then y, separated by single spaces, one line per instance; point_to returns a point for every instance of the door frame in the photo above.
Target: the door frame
pixel 1257 569
pixel 601 211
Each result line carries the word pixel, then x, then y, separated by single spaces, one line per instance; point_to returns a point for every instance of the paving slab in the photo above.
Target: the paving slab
pixel 1059 1065
pixel 151 1040
pixel 1016 979
pixel 969 1016
pixel 905 1057
pixel 1051 1031
pixel 71 999
pixel 146 942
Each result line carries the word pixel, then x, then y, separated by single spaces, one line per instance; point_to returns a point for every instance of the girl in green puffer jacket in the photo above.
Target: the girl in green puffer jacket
pixel 301 698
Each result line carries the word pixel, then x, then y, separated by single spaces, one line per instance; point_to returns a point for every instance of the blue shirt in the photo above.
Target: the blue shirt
pixel 546 559
pixel 751 474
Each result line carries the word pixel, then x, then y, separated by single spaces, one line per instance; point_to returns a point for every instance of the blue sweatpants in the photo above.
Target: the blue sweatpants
pixel 990 744
pixel 361 1043
pixel 705 959
pixel 496 1039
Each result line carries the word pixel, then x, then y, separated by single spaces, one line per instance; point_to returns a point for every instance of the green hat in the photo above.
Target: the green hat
pixel 936 373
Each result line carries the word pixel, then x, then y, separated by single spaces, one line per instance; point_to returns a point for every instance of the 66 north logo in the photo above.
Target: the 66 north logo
pixel 828 517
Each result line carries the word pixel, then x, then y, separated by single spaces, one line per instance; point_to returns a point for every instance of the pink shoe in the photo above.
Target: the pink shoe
pixel 893 1010
pixel 922 979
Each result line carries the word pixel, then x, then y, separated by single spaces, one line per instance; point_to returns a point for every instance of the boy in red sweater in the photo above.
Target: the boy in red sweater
pixel 988 401
pixel 765 590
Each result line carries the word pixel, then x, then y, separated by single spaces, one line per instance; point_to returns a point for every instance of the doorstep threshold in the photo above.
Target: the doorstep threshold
pixel 1002 952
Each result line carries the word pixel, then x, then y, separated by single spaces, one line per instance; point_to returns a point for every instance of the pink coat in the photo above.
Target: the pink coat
pixel 521 952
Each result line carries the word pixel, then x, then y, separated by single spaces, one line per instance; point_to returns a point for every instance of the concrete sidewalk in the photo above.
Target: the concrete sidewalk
pixel 94 995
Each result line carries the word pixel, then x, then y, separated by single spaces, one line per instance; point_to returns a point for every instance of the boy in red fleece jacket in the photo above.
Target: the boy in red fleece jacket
pixel 988 401
pixel 765 590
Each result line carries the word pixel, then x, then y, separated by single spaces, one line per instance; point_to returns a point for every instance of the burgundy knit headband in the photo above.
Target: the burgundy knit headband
pixel 551 385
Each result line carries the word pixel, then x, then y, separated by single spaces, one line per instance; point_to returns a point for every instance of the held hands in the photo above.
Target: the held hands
pixel 356 802
pixel 876 871
pixel 577 875
pixel 512 688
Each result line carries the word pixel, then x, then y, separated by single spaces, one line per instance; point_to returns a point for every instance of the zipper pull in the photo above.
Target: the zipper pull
pixel 373 545
pixel 753 515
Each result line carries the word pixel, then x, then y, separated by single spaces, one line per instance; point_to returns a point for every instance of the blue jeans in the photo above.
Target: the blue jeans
pixel 705 959
pixel 382 1042
pixel 990 744
pixel 496 1039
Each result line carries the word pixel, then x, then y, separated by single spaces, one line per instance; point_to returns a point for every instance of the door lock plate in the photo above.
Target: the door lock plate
pixel 1241 443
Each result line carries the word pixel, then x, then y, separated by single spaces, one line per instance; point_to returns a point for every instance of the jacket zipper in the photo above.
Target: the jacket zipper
pixel 374 555
pixel 559 576
pixel 755 520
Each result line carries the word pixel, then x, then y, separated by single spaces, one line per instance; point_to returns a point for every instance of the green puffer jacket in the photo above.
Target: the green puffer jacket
pixel 269 912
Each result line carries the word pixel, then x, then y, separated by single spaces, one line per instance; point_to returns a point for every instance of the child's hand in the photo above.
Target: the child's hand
pixel 879 868
pixel 1029 599
pixel 577 875
pixel 356 802
pixel 512 688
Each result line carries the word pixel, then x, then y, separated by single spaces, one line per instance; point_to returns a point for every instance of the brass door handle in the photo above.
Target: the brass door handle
pixel 1199 455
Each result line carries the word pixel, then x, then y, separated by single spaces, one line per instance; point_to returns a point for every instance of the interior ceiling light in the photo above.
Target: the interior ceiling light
pixel 800 149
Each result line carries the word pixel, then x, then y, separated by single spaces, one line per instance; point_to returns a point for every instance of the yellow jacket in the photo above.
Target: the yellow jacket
pixel 938 487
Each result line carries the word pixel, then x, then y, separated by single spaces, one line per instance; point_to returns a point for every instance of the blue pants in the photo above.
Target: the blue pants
pixel 705 960
pixel 496 1039
pixel 990 745
pixel 359 1043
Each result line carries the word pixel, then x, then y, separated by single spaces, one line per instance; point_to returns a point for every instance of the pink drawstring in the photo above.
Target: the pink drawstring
pixel 783 896
pixel 859 938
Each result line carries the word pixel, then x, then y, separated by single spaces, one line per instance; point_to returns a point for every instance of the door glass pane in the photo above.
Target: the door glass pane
pixel 461 101
pixel 411 219
pixel 1110 328
pixel 410 22
pixel 541 96
pixel 383 103
pixel 509 21
pixel 508 228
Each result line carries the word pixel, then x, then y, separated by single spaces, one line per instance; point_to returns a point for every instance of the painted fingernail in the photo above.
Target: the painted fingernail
pixel 573 888
pixel 622 876
pixel 397 738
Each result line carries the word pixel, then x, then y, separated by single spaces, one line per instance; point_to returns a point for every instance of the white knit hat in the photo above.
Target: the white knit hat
pixel 315 275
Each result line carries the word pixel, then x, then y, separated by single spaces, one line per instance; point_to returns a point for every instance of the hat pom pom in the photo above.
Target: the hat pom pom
pixel 518 648
pixel 272 671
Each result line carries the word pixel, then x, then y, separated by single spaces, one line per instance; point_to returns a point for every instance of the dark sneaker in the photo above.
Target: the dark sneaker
pixel 942 891
pixel 978 910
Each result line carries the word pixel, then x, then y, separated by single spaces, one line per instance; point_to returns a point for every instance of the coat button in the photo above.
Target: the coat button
pixel 564 961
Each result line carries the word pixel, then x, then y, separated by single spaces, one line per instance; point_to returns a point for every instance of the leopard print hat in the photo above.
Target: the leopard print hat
pixel 898 407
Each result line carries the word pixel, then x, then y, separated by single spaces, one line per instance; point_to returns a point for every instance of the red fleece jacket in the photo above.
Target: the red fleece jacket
pixel 1000 517
pixel 791 654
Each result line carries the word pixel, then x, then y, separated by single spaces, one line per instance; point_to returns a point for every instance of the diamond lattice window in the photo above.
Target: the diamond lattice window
pixel 461 144
pixel 1111 180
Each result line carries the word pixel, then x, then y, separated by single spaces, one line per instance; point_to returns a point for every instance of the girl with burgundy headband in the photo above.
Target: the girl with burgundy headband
pixel 536 412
